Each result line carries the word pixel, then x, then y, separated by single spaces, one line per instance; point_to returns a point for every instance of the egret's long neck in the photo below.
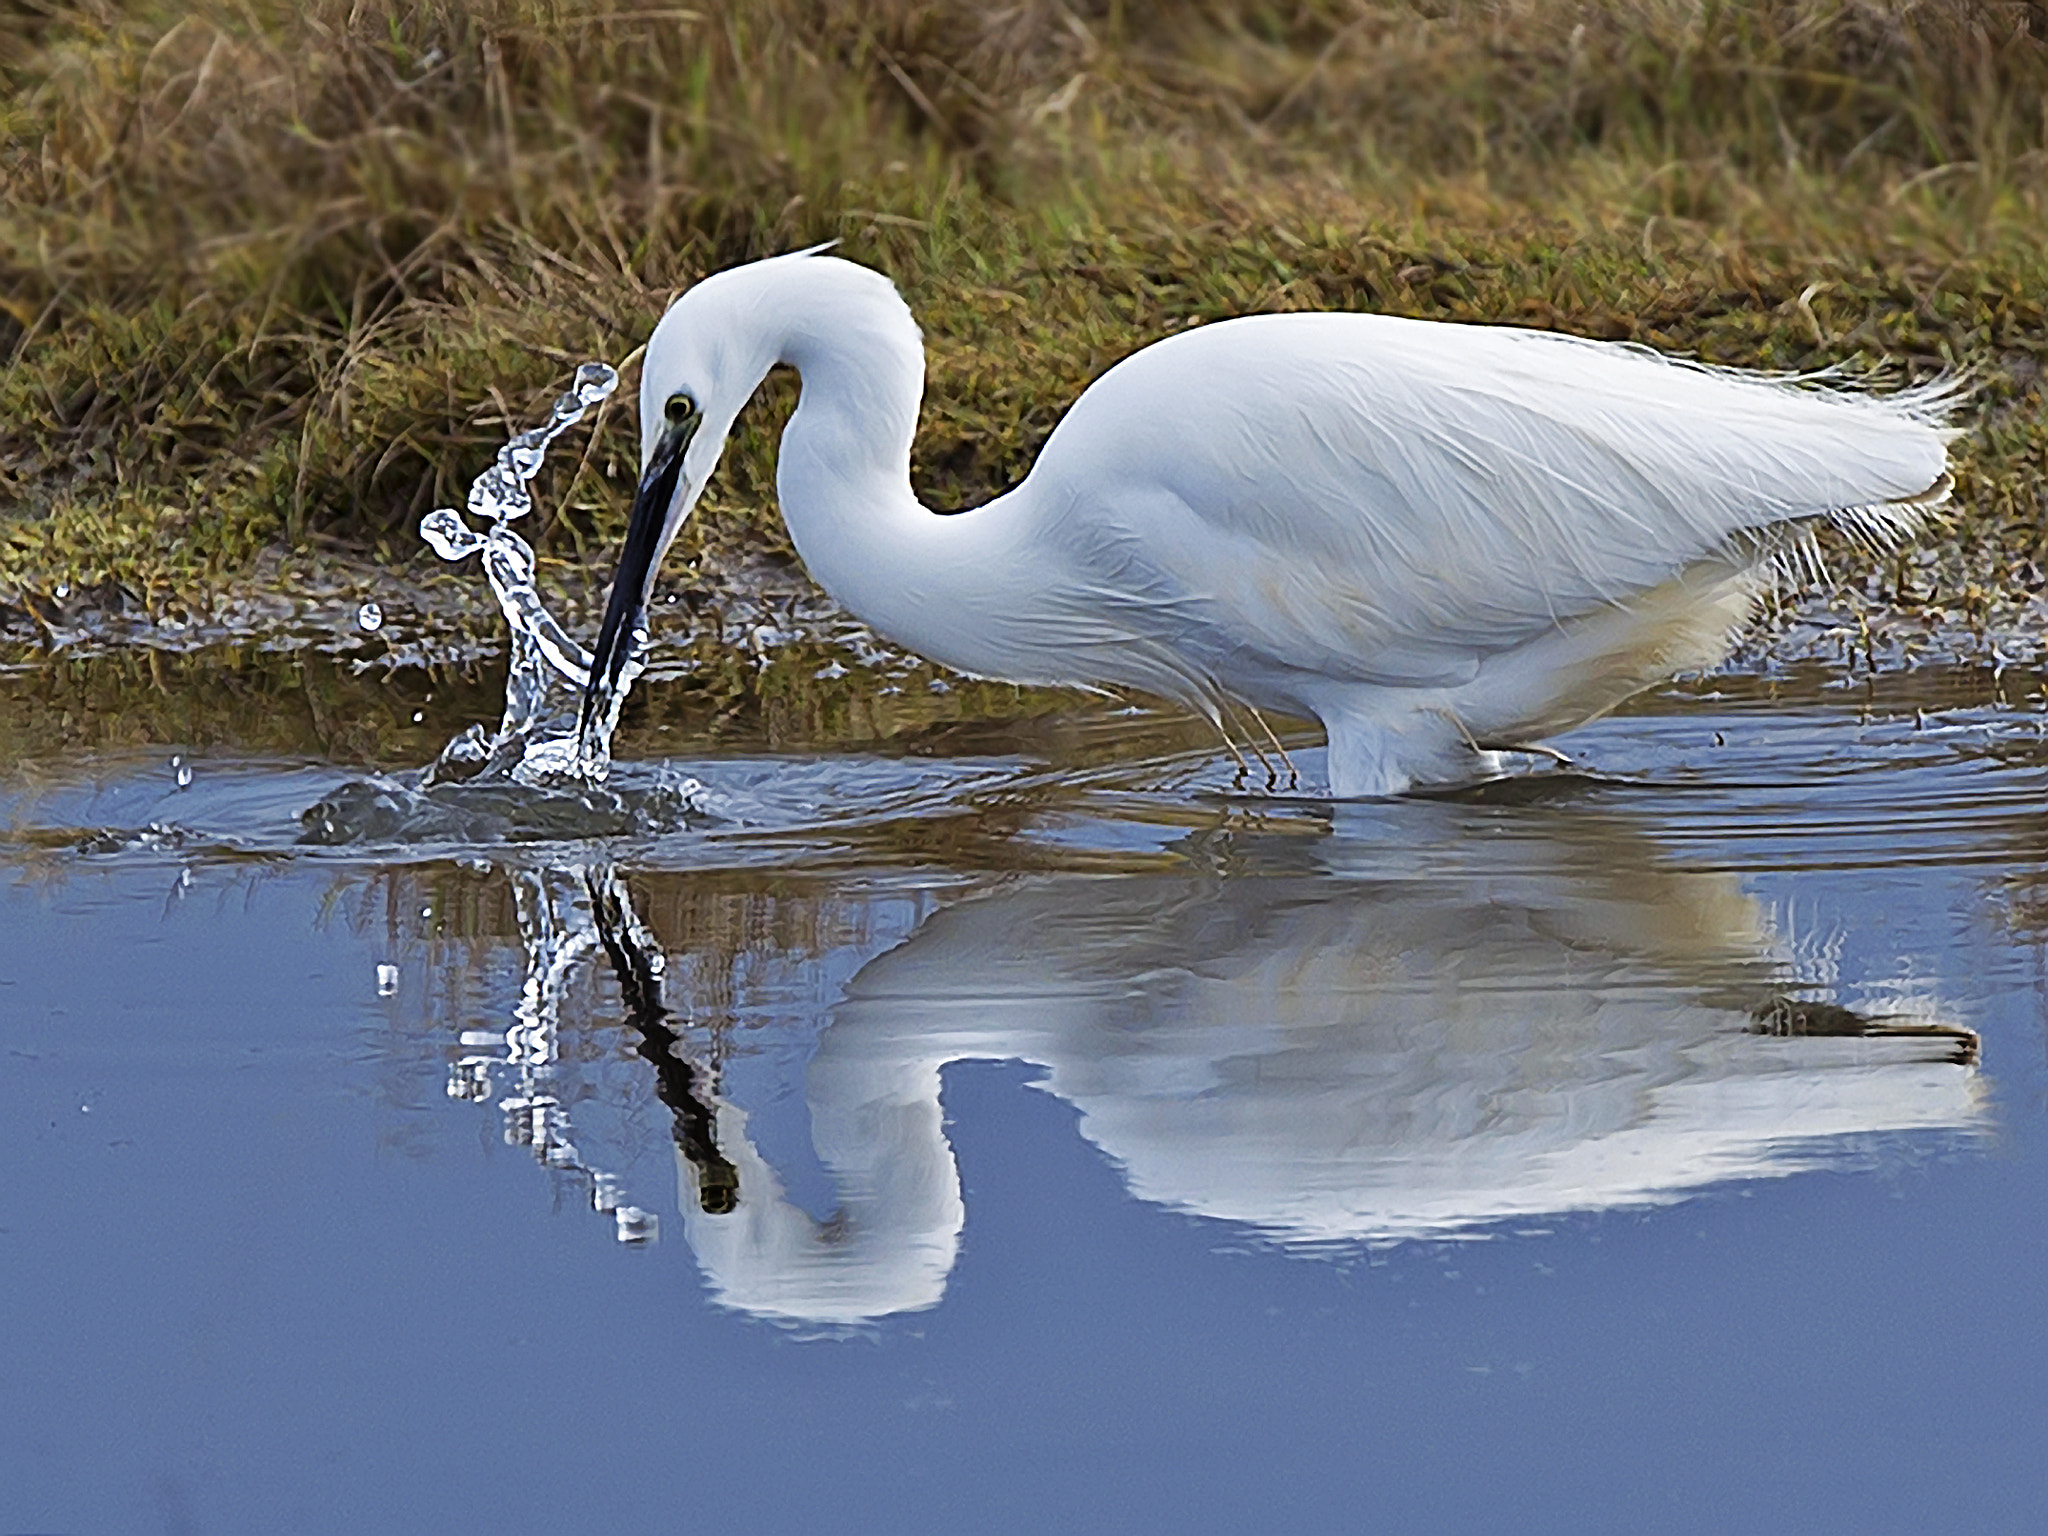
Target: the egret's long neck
pixel 897 1233
pixel 844 476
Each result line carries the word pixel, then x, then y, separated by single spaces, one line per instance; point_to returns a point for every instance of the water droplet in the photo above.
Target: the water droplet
pixel 594 381
pixel 418 715
pixel 184 775
pixel 370 618
pixel 523 455
pixel 635 1225
pixel 497 493
pixel 387 980
pixel 451 537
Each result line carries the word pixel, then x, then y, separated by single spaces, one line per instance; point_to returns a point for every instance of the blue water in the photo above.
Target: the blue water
pixel 1119 1155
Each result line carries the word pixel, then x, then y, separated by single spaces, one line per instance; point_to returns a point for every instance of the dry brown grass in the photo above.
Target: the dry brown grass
pixel 271 273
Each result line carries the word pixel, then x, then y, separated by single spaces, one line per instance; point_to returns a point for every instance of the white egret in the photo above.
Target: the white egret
pixel 1436 539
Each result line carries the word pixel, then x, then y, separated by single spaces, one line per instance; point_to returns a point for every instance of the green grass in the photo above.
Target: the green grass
pixel 278 278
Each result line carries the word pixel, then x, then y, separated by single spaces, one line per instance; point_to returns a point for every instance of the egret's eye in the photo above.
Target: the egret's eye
pixel 680 408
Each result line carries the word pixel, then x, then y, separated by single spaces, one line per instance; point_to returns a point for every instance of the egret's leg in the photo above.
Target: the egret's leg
pixel 1374 756
pixel 1279 750
pixel 1244 769
pixel 1265 762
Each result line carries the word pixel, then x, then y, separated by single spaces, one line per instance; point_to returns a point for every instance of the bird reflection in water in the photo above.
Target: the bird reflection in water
pixel 1340 1042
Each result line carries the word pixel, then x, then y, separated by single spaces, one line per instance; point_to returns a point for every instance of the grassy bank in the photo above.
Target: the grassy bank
pixel 276 279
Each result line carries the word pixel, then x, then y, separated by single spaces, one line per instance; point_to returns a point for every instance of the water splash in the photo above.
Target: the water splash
pixel 545 773
pixel 541 740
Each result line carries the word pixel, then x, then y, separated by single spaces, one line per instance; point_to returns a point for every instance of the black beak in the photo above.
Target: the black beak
pixel 635 576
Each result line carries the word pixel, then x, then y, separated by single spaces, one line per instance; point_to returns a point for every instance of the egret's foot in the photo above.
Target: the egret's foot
pixel 1527 749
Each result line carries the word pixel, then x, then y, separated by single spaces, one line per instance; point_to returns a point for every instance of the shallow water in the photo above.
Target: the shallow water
pixel 1015 1126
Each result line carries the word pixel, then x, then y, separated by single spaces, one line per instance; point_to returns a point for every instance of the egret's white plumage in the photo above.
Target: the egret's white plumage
pixel 1433 538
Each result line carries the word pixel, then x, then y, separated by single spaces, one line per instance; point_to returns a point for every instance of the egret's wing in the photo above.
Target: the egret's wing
pixel 1389 500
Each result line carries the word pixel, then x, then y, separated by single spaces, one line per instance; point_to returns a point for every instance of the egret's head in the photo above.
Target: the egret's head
pixel 703 362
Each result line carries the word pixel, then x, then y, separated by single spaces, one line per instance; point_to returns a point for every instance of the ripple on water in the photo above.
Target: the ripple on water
pixel 1803 784
pixel 1825 788
pixel 403 809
